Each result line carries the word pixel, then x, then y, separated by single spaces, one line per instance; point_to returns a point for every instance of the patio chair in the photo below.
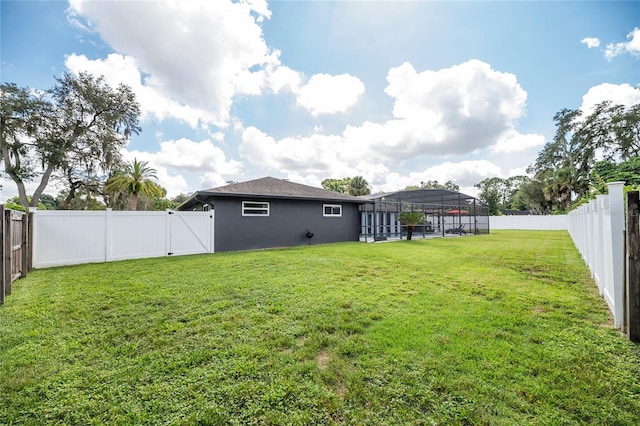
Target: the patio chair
pixel 457 230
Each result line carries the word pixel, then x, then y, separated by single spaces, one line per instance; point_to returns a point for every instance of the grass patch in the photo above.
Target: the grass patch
pixel 506 328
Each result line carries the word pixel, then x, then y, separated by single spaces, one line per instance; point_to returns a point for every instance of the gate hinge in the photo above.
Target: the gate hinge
pixel 169 254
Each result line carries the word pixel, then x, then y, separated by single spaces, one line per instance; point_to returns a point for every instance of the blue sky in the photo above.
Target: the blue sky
pixel 396 91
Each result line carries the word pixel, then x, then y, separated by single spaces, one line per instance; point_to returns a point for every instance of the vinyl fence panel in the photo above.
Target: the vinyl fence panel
pixel 68 237
pixel 135 235
pixel 530 222
pixel 75 237
pixel 597 230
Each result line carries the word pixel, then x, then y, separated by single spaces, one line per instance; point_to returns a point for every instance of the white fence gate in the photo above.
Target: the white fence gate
pixel 597 230
pixel 64 237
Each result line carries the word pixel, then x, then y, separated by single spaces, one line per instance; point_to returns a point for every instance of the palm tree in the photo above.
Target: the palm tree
pixel 358 186
pixel 135 179
pixel 411 219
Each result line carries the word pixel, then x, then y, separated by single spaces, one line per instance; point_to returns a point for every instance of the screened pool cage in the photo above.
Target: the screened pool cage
pixel 446 213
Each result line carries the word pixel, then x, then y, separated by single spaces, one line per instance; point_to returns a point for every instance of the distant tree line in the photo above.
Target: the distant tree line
pixel 585 154
pixel 434 184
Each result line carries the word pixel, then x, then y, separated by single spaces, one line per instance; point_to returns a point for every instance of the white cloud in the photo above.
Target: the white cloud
pixel 314 154
pixel 198 53
pixel 282 77
pixel 195 156
pixel 619 94
pixel 464 173
pixel 189 60
pixel 183 156
pixel 591 42
pixel 327 94
pixel 453 110
pixel 513 141
pixel 458 110
pixel 632 46
pixel 122 69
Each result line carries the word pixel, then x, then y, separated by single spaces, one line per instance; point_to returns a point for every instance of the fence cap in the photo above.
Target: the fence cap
pixel 615 184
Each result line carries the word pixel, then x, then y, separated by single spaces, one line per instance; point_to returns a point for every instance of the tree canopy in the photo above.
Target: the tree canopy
pixel 349 185
pixel 75 129
pixel 434 184
pixel 135 179
pixel 585 153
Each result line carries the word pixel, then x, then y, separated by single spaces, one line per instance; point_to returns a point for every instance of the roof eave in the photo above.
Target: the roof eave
pixel 212 194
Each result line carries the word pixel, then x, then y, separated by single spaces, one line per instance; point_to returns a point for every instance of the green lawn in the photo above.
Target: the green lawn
pixel 506 328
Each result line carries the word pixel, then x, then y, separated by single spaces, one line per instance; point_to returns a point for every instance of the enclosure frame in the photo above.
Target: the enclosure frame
pixel 446 213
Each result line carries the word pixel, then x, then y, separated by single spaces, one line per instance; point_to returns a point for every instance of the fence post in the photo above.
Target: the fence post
pixel 6 257
pixel 108 219
pixel 616 208
pixel 24 252
pixel 168 248
pixel 30 240
pixel 2 262
pixel 598 246
pixel 633 267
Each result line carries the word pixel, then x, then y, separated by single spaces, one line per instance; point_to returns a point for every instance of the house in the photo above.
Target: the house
pixel 270 212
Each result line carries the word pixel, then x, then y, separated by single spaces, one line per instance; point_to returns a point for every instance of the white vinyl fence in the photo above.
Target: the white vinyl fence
pixel 597 230
pixel 62 237
pixel 531 222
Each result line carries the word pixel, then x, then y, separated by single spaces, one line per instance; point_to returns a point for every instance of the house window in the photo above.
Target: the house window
pixel 255 208
pixel 332 210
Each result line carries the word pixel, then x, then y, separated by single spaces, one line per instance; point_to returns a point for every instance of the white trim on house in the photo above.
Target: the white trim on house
pixel 332 210
pixel 255 208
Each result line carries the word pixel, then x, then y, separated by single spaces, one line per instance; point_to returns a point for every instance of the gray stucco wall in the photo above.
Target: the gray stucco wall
pixel 285 226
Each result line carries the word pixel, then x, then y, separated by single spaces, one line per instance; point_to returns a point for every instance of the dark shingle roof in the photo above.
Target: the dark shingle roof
pixel 269 187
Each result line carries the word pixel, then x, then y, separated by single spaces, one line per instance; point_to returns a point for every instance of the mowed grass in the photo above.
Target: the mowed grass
pixel 503 329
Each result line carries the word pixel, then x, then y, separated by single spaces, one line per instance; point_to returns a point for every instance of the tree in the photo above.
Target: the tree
pixel 434 184
pixel 358 186
pixel 22 114
pixel 180 198
pixel 614 129
pixel 47 201
pixel 606 171
pixel 135 180
pixel 411 219
pixel 13 203
pixel 491 190
pixel 82 200
pixel 564 166
pixel 336 185
pixel 163 203
pixel 77 131
pixel 512 199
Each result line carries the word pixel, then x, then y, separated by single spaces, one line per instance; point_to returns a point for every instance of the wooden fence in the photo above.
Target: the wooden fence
pixel 605 231
pixel 14 248
pixel 632 317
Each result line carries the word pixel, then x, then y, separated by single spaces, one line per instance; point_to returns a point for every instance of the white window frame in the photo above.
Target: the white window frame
pixel 332 206
pixel 264 208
